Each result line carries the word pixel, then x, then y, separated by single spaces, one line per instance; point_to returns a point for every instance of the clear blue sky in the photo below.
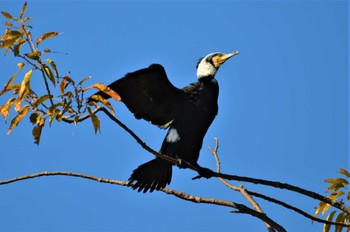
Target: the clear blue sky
pixel 283 112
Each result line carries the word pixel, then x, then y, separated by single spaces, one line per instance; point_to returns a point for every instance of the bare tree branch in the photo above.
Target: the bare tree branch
pixel 247 194
pixel 275 184
pixel 196 199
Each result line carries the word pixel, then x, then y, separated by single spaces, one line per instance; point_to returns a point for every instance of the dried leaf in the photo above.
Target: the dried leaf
pixel 37 133
pixel 41 100
pixel 53 66
pixel 22 113
pixel 7 15
pixel 103 101
pixel 344 172
pixel 25 89
pixel 7 86
pixel 329 218
pixel 46 36
pixel 336 183
pixel 95 120
pixel 35 117
pixel 341 219
pixel 8 24
pixel 4 109
pixel 335 195
pixel 106 90
pixel 83 80
pixel 49 73
pixel 23 10
pixel 34 55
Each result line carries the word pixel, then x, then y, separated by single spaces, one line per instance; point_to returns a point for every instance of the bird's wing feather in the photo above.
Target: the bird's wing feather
pixel 149 94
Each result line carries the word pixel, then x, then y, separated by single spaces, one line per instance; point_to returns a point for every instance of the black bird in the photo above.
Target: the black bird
pixel 187 112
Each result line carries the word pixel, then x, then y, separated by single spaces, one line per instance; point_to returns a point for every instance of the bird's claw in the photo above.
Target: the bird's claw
pixel 204 172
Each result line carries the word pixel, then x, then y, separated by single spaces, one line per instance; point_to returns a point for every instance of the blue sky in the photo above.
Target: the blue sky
pixel 283 112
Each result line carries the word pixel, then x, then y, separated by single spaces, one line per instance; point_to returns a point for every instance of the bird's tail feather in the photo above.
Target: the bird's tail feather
pixel 155 174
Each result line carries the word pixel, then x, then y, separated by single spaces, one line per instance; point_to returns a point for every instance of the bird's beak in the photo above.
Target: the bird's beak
pixel 219 60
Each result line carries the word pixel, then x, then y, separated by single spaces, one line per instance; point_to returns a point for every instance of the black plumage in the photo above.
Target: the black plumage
pixel 187 112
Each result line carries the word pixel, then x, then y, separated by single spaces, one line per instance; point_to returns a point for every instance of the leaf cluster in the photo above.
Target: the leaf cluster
pixel 339 190
pixel 63 99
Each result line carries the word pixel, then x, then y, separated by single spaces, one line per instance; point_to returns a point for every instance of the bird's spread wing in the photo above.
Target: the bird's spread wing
pixel 149 95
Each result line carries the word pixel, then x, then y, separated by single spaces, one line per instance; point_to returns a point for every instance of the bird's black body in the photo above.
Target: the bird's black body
pixel 187 112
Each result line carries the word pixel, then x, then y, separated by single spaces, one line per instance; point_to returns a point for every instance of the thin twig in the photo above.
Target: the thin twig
pixel 242 190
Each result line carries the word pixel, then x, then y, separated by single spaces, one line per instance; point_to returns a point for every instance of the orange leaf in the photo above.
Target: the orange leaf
pixel 103 101
pixel 46 36
pixel 106 90
pixel 4 110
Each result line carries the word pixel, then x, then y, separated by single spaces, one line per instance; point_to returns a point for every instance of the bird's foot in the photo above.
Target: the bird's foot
pixel 183 163
pixel 204 172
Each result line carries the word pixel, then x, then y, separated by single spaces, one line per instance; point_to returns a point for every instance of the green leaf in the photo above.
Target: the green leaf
pixel 46 36
pixel 25 89
pixel 22 113
pixel 329 218
pixel 7 15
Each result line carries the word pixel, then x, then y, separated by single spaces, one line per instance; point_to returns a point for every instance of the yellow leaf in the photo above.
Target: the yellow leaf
pixel 25 89
pixel 46 36
pixel 7 15
pixel 329 218
pixel 22 113
pixel 95 120
pixel 344 172
pixel 4 109
pixel 7 86
pixel 341 219
pixel 49 73
pixel 106 90
pixel 37 133
pixel 53 66
pixel 41 100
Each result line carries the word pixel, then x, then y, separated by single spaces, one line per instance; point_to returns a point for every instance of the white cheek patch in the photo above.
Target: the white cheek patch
pixel 172 136
pixel 205 69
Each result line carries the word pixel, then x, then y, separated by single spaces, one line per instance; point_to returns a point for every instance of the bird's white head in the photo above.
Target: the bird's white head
pixel 210 64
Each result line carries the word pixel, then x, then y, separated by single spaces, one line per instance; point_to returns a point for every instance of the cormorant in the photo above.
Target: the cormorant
pixel 187 112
